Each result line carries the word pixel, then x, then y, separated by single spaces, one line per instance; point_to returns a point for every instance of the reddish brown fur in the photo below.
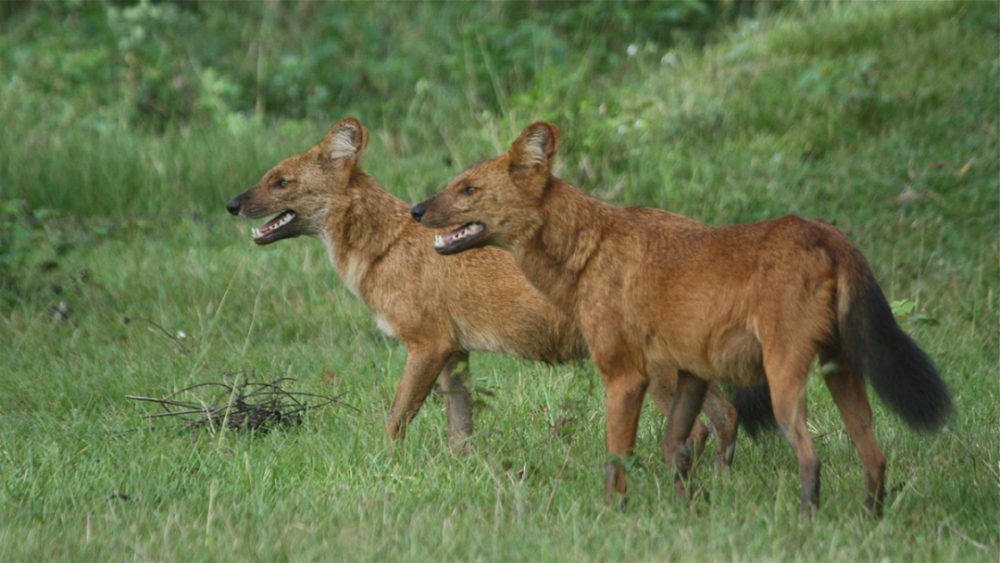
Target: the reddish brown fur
pixel 440 308
pixel 656 293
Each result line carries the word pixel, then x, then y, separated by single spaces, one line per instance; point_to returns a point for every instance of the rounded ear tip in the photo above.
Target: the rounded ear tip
pixel 552 130
pixel 350 121
pixel 347 138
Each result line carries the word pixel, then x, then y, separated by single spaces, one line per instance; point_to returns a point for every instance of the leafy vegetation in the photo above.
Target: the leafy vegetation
pixel 124 128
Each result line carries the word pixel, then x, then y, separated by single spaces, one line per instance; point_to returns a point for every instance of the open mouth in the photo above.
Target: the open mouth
pixel 275 229
pixel 462 238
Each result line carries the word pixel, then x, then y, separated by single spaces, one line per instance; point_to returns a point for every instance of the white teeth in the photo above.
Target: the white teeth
pixel 284 220
pixel 472 229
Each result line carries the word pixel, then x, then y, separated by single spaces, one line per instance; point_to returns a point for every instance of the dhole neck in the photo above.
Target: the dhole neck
pixel 555 255
pixel 360 227
pixel 366 216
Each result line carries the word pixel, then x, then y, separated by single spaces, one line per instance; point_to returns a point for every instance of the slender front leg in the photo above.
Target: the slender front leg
pixel 457 401
pixel 423 364
pixel 687 405
pixel 625 393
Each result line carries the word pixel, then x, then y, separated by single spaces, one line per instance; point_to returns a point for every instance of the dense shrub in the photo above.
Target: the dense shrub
pixel 167 62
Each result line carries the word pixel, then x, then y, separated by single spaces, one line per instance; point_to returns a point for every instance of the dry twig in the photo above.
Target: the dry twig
pixel 249 406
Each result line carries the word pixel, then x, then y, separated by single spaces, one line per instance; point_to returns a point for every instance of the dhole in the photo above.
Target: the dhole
pixel 439 308
pixel 656 293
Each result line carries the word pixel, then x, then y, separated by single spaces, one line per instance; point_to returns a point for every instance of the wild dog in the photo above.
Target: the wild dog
pixel 655 293
pixel 439 308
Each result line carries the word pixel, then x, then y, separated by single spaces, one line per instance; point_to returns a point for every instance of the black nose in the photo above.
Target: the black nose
pixel 418 211
pixel 234 206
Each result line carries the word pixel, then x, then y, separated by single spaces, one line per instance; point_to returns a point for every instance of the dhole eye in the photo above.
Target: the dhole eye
pixel 282 183
pixel 468 190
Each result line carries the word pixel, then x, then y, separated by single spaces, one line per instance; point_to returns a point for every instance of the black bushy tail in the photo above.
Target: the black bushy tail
pixel 753 409
pixel 874 345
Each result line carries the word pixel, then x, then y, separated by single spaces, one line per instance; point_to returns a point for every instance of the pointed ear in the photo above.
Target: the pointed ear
pixel 536 148
pixel 347 139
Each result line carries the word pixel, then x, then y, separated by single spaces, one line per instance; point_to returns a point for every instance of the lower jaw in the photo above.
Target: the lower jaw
pixel 461 247
pixel 274 237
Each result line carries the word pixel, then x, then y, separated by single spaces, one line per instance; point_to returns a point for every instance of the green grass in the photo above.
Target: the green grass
pixel 881 118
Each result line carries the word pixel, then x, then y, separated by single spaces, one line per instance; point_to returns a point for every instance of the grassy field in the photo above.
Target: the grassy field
pixel 880 118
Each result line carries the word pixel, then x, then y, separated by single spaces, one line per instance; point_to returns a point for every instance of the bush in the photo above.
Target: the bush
pixel 168 62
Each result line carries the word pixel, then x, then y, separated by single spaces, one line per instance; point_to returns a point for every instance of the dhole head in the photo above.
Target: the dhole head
pixel 494 202
pixel 298 191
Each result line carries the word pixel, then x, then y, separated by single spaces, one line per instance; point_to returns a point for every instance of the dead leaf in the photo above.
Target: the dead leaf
pixel 965 168
pixel 908 195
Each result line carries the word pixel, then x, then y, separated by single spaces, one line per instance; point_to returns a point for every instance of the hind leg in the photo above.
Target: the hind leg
pixel 457 401
pixel 722 413
pixel 661 390
pixel 851 397
pixel 787 374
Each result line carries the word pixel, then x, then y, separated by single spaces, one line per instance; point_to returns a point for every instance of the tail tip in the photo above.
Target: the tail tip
pixel 922 399
pixel 931 413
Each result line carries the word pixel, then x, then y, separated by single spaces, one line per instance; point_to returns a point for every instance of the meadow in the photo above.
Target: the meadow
pixel 881 118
